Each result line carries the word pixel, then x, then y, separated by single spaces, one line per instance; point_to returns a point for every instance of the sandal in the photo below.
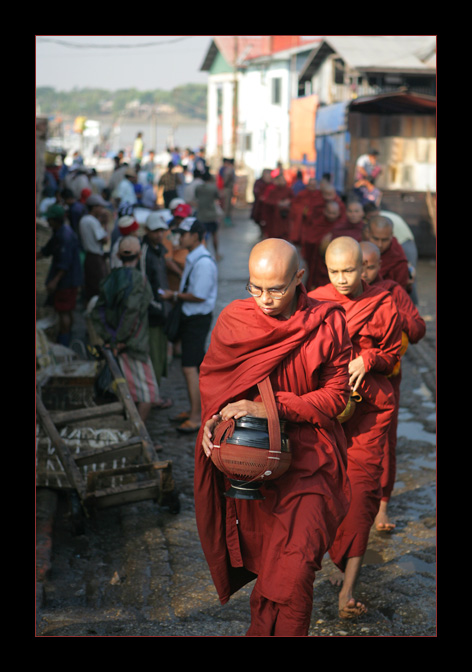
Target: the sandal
pixel 163 403
pixel 188 427
pixel 181 417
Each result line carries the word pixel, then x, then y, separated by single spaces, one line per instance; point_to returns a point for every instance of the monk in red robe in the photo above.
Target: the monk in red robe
pixel 413 330
pixel 303 207
pixel 303 346
pixel 275 221
pixel 379 230
pixel 317 237
pixel 353 225
pixel 259 188
pixel 375 331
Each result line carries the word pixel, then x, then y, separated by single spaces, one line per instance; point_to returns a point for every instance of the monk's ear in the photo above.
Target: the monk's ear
pixel 300 274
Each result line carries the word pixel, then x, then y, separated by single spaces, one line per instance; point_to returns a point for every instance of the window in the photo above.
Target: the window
pixel 276 91
pixel 338 71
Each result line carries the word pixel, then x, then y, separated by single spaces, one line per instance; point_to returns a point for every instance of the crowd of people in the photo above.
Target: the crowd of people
pixel 126 247
pixel 330 312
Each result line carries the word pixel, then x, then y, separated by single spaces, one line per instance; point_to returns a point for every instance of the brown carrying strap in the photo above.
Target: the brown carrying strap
pixel 268 399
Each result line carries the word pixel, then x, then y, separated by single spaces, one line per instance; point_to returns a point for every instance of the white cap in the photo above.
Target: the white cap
pixel 158 220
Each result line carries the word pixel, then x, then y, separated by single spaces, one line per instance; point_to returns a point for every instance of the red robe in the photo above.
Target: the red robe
pixel 345 228
pixel 304 206
pixel 311 252
pixel 375 331
pixel 395 264
pixel 414 327
pixel 283 538
pixel 275 217
pixel 259 189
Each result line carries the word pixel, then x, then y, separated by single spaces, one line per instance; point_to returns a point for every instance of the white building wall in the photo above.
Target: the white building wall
pixel 322 82
pixel 223 83
pixel 267 123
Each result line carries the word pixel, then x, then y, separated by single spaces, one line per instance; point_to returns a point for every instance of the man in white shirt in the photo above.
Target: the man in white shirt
pixel 197 291
pixel 92 238
pixel 125 191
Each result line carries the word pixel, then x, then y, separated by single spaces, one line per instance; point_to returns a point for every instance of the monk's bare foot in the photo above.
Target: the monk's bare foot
pixel 337 578
pixel 382 521
pixel 352 609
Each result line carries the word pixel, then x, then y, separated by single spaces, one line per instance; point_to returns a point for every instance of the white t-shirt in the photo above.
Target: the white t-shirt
pixel 92 234
pixel 401 230
pixel 203 281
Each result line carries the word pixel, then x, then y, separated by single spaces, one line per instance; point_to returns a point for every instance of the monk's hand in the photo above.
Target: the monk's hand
pixel 208 429
pixel 238 409
pixel 356 372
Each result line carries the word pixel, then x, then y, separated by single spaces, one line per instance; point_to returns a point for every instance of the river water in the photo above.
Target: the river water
pixel 111 136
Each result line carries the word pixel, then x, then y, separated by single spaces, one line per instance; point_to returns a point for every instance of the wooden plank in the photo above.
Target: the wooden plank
pixel 130 448
pixel 70 467
pixel 91 412
pixel 101 499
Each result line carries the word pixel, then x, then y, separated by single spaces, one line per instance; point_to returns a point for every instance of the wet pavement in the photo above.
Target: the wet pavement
pixel 138 570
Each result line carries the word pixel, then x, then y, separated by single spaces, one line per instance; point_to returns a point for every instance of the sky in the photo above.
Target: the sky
pixel 112 62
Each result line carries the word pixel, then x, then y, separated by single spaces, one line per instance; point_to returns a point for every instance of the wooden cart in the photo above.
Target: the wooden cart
pixel 101 474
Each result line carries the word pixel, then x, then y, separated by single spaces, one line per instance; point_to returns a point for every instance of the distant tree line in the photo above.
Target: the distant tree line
pixel 189 100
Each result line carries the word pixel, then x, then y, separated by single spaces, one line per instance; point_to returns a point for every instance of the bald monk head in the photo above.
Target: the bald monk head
pixel 372 261
pixel 328 191
pixel 332 210
pixel 129 250
pixel 345 264
pixel 274 273
pixel 379 230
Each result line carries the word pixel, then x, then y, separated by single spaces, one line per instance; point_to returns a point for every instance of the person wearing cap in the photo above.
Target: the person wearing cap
pixel 65 273
pixel 153 264
pixel 127 226
pixel 179 254
pixel 93 237
pixel 77 179
pixel 197 292
pixel 75 208
pixel 120 317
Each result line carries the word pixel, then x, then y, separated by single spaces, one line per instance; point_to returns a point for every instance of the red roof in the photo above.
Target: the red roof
pixel 246 47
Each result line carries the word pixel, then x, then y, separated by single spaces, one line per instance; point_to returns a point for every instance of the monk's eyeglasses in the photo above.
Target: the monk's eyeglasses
pixel 274 293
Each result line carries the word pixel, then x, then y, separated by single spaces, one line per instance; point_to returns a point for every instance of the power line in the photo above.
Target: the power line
pixel 71 45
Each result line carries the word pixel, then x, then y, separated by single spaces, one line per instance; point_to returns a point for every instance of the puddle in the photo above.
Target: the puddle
pixel 414 432
pixel 412 564
pixel 372 557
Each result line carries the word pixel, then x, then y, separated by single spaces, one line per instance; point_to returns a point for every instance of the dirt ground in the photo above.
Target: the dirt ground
pixel 138 569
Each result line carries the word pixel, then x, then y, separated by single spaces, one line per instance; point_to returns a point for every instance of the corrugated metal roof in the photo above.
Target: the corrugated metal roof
pixel 383 51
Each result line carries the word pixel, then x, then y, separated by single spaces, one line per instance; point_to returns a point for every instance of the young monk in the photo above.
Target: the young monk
pixel 317 238
pixel 303 345
pixel 413 330
pixel 375 331
pixel 354 224
pixel 379 230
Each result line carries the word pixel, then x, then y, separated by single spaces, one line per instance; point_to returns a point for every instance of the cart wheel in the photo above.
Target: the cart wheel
pixel 76 514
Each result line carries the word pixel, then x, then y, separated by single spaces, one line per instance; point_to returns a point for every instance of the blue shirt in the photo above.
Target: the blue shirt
pixel 203 282
pixel 63 247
